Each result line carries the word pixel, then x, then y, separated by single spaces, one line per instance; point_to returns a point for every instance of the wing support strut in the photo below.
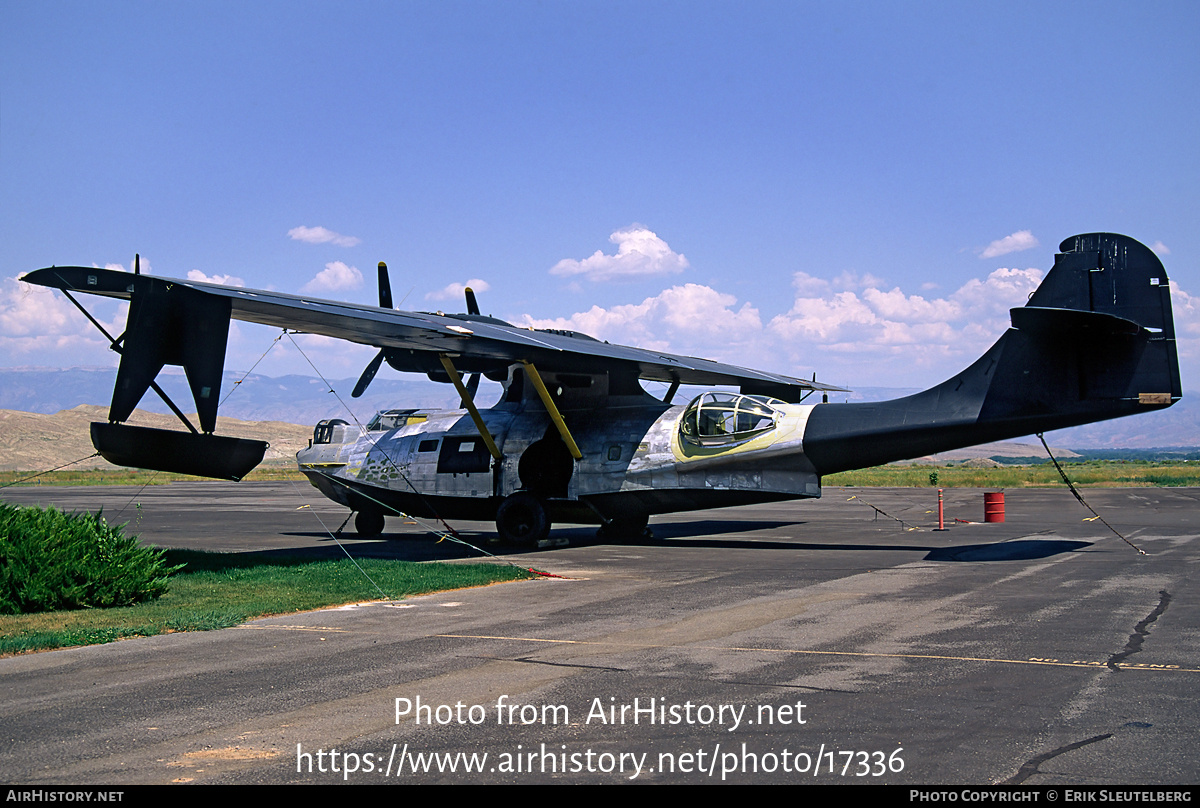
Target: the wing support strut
pixel 469 402
pixel 555 415
pixel 670 396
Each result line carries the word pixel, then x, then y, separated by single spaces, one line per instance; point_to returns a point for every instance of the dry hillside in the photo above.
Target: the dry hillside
pixel 33 442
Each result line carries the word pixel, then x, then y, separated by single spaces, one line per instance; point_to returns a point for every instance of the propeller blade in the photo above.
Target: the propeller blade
pixel 367 375
pixel 472 387
pixel 472 304
pixel 385 288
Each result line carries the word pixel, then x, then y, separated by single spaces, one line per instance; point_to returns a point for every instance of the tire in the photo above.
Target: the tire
pixel 368 523
pixel 521 519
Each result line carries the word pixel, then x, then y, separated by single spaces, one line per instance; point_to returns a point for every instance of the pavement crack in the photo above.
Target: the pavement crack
pixel 783 686
pixel 1030 768
pixel 531 661
pixel 1140 631
pixel 809 688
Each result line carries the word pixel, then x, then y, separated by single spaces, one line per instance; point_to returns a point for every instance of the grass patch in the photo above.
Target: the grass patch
pixel 1094 473
pixel 218 590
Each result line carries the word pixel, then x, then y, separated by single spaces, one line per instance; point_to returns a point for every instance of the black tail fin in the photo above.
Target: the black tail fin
pixel 1096 341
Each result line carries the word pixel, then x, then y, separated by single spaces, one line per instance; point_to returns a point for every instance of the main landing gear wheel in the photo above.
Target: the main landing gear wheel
pixel 368 523
pixel 521 519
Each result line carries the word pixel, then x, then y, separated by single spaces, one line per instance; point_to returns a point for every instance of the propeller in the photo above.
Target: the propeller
pixel 385 302
pixel 473 379
pixel 367 375
pixel 385 287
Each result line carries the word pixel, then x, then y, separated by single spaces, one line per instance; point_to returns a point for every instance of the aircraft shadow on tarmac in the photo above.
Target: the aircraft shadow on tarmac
pixel 697 534
pixel 1017 550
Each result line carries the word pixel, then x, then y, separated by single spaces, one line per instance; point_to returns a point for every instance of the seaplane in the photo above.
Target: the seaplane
pixel 576 438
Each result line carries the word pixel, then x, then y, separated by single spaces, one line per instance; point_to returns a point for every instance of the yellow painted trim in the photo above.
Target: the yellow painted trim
pixel 555 416
pixel 684 451
pixel 786 428
pixel 452 372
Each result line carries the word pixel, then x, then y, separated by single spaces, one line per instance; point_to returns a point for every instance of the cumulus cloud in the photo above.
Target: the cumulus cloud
pixel 690 319
pixel 1159 248
pixel 870 333
pixel 455 291
pixel 321 235
pixel 143 265
pixel 853 280
pixel 335 277
pixel 890 325
pixel 223 280
pixel 809 285
pixel 1020 240
pixel 27 310
pixel 640 253
pixel 39 326
pixel 1186 312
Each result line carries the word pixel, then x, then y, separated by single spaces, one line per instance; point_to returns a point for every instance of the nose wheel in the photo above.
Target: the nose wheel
pixel 368 523
pixel 521 519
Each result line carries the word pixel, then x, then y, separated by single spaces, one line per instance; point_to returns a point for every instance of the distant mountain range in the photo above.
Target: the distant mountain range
pixel 306 400
pixel 294 399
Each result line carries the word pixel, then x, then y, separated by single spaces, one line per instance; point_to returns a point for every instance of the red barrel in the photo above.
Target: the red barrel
pixel 993 507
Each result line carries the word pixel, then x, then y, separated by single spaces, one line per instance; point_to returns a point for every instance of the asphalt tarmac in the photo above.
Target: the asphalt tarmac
pixel 832 641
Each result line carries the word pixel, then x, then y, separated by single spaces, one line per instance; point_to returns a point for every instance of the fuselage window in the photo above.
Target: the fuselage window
pixel 717 418
pixel 427 446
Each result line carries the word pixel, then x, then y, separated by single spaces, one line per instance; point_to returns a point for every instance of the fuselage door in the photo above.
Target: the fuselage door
pixel 463 454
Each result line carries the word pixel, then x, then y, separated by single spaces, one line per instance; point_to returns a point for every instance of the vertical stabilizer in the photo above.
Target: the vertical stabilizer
pixel 1095 341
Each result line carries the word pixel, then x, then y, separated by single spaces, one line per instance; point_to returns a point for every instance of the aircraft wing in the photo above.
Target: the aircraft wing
pixel 476 343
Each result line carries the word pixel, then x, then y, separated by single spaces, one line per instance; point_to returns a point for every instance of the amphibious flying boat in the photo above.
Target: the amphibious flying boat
pixel 575 437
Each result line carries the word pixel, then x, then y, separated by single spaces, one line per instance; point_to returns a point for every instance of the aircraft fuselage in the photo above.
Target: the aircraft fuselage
pixel 637 459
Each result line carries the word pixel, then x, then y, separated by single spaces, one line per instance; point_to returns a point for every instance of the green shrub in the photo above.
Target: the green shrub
pixel 55 560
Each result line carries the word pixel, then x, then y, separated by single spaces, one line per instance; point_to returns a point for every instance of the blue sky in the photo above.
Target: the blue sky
pixel 856 189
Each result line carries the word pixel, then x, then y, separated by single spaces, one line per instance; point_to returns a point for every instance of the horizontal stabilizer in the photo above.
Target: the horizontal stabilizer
pixel 1068 322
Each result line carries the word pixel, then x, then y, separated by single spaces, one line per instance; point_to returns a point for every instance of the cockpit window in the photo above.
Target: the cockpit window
pixel 718 418
pixel 323 432
pixel 394 419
